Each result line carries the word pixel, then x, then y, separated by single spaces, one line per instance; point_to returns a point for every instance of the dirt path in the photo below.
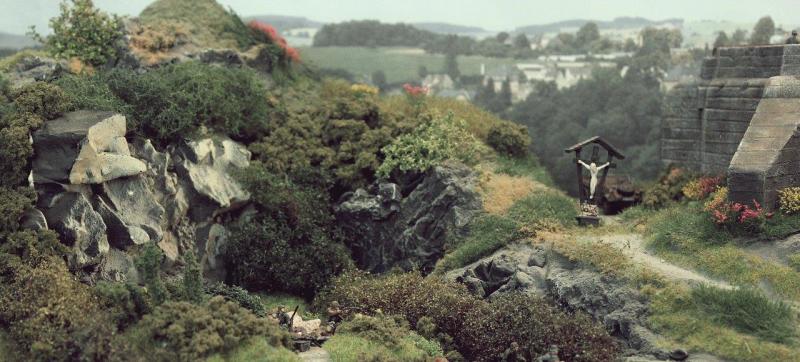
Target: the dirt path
pixel 315 354
pixel 633 246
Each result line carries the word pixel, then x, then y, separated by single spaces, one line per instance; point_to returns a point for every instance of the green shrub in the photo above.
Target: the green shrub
pixel 149 266
pixel 239 295
pixel 509 139
pixel 91 92
pixel 379 338
pixel 331 127
pixel 543 210
pixel 175 101
pixel 125 302
pixel 16 150
pixel 430 144
pixel 289 245
pixel 488 233
pixel 748 311
pixel 192 281
pixel 43 99
pixel 535 325
pixel 13 204
pixel 84 32
pixel 51 316
pixel 668 188
pixel 32 247
pixel 270 255
pixel 181 331
pixel 480 330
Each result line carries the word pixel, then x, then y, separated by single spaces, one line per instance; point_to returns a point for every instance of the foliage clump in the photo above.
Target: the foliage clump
pixel 700 188
pixel 509 139
pixel 433 142
pixel 532 323
pixel 50 315
pixel 188 332
pixel 668 188
pixel 789 200
pixel 241 296
pixel 289 245
pixel 84 32
pixel 380 338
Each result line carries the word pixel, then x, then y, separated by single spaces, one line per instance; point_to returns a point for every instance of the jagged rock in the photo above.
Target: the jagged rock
pixel 525 268
pixel 386 230
pixel 118 266
pixel 206 164
pixel 33 219
pixel 83 147
pixel 80 227
pixel 35 68
pixel 211 241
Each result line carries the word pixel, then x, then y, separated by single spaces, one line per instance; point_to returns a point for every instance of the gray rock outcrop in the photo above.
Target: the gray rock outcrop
pixel 534 271
pixel 106 198
pixel 83 147
pixel 387 230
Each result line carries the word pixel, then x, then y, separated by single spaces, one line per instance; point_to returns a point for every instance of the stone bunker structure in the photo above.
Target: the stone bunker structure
pixel 742 118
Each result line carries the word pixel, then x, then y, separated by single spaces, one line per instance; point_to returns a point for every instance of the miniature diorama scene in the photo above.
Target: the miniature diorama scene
pixel 425 181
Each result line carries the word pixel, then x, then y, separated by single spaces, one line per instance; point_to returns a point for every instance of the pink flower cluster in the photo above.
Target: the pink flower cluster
pixel 415 91
pixel 740 212
pixel 273 36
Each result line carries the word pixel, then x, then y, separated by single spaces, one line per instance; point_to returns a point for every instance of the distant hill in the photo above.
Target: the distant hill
pixel 15 41
pixel 618 23
pixel 445 28
pixel 281 22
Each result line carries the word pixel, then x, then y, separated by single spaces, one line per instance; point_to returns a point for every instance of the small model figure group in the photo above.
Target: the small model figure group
pixel 514 353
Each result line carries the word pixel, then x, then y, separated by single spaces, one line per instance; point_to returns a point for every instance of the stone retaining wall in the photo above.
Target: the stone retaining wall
pixel 704 123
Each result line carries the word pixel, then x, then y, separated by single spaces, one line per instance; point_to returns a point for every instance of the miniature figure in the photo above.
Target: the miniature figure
pixel 550 356
pixel 284 320
pixel 513 354
pixel 793 39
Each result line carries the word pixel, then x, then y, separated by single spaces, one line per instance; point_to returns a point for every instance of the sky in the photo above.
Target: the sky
pixel 17 15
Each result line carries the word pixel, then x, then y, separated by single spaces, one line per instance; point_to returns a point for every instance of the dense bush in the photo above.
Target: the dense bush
pixel 480 330
pixel 380 338
pixel 668 188
pixel 13 203
pixel 509 139
pixel 332 127
pixel 50 315
pixel 91 92
pixel 433 142
pixel 43 99
pixel 175 101
pixel 125 302
pixel 84 32
pixel 239 295
pixel 735 217
pixel 289 246
pixel 181 331
pixel 700 188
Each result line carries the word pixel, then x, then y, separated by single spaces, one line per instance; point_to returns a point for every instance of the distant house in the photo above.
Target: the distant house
pixel 458 94
pixel 438 82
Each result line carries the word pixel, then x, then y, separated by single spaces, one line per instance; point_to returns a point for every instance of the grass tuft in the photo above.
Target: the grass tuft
pixel 487 234
pixel 748 311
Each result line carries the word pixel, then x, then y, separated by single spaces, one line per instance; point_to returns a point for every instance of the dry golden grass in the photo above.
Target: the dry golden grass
pixel 500 191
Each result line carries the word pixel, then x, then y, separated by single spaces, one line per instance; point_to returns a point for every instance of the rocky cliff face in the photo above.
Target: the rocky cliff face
pixel 386 229
pixel 106 197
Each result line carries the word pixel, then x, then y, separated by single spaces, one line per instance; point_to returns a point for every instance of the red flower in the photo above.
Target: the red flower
pixel 415 91
pixel 273 36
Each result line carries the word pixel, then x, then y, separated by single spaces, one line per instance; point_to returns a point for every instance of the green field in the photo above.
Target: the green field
pixel 399 64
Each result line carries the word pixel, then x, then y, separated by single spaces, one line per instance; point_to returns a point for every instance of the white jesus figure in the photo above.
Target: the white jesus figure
pixel 593 170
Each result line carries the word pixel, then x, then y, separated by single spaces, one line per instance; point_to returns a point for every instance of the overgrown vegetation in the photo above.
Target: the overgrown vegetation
pixel 380 338
pixel 479 329
pixel 84 32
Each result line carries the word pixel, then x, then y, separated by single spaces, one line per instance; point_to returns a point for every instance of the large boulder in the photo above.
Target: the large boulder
pixel 205 165
pixel 387 230
pixel 533 270
pixel 83 147
pixel 71 215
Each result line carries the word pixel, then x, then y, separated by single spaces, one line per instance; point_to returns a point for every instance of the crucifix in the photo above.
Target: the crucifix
pixel 591 196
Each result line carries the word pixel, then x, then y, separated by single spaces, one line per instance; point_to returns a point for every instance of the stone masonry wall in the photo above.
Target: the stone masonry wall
pixel 704 123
